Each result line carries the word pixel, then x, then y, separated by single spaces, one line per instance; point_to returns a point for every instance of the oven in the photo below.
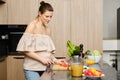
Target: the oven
pixel 14 38
pixel 15 33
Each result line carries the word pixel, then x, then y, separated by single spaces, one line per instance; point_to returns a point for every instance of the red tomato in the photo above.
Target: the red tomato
pixel 89 73
pixel 64 64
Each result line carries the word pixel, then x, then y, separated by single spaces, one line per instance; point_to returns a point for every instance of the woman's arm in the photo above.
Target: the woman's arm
pixel 58 61
pixel 42 59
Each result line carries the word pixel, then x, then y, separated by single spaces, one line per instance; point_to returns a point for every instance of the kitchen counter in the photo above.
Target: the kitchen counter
pixel 110 74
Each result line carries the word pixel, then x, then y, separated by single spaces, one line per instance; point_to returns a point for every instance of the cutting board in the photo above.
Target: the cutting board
pixel 59 67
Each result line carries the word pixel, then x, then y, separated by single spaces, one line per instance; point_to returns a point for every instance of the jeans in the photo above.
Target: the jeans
pixel 32 75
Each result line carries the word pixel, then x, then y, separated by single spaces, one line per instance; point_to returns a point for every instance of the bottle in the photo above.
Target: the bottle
pixel 76 66
pixel 81 50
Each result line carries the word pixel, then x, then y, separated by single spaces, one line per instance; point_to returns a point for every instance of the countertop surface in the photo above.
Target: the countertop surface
pixel 110 74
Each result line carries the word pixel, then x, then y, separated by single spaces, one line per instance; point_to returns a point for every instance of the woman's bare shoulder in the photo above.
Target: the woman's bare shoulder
pixel 48 30
pixel 30 27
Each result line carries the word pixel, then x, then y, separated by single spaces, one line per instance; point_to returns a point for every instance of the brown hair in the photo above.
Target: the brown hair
pixel 45 6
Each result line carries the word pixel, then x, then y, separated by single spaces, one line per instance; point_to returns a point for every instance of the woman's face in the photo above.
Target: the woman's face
pixel 46 16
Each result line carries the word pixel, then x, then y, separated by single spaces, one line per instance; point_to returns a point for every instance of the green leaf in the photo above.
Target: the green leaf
pixel 71 47
pixel 77 50
pixel 88 52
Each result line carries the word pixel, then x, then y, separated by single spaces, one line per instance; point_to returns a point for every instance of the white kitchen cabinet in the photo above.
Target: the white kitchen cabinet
pixel 86 23
pixel 15 68
pixel 21 11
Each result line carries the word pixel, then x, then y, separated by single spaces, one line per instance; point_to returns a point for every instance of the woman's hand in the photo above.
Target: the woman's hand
pixel 47 60
pixel 62 62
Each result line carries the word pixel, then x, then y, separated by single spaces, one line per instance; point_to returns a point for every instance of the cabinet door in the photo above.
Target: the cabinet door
pixel 22 11
pixel 15 68
pixel 3 69
pixel 3 13
pixel 86 23
pixel 60 24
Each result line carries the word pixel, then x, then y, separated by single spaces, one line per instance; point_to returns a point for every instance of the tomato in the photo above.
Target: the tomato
pixel 93 72
pixel 88 73
pixel 64 64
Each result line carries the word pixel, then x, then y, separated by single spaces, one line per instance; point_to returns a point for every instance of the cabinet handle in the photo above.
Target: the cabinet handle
pixel 18 57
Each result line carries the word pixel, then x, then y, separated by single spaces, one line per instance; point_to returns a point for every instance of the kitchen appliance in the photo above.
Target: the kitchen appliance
pixel 15 33
pixel 9 38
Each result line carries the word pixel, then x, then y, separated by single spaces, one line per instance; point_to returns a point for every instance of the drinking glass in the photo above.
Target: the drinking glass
pixel 90 61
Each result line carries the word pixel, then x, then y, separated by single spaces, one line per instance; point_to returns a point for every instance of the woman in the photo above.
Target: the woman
pixel 37 45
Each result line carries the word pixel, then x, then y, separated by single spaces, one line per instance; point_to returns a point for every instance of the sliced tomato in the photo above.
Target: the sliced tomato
pixel 64 64
pixel 88 73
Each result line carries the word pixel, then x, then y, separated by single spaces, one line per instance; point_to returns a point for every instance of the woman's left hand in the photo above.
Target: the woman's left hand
pixel 62 62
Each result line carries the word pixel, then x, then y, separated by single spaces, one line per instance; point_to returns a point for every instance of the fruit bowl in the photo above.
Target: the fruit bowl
pixel 96 58
pixel 93 73
pixel 94 55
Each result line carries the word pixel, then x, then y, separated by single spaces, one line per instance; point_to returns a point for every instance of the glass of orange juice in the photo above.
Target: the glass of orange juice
pixel 76 70
pixel 89 62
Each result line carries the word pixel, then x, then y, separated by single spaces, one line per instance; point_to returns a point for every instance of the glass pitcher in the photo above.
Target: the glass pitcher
pixel 76 66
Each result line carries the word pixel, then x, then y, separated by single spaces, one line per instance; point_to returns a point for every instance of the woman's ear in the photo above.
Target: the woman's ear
pixel 39 13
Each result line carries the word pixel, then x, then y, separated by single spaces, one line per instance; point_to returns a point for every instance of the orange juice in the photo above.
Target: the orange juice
pixel 76 70
pixel 89 62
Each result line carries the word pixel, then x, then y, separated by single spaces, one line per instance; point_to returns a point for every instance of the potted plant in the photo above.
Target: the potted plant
pixel 73 49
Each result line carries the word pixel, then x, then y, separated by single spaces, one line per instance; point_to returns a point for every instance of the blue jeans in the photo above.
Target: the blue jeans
pixel 32 75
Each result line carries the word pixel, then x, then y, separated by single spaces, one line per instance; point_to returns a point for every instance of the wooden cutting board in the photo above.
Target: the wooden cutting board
pixel 59 67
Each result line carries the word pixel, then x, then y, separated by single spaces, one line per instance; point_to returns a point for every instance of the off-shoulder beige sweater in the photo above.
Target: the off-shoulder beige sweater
pixel 41 44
